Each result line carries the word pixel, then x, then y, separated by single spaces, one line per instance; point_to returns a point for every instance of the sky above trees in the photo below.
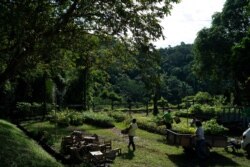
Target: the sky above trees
pixel 187 18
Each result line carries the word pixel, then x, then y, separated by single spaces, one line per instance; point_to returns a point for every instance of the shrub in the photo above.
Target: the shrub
pixel 26 109
pixel 183 113
pixel 158 119
pixel 76 118
pixel 117 115
pixel 66 118
pixel 205 110
pixel 211 127
pixel 202 97
pixel 70 117
pixel 183 128
pixel 98 119
pixel 62 120
pixel 219 100
pixel 195 109
pixel 151 126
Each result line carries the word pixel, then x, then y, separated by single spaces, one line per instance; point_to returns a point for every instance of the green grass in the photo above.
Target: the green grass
pixel 19 150
pixel 152 151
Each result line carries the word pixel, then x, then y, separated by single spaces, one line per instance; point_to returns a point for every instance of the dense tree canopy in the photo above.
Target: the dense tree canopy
pixel 213 46
pixel 29 28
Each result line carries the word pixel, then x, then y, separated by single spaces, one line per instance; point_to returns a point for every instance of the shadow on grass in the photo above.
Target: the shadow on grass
pixel 129 155
pixel 191 160
pixel 162 140
pixel 237 154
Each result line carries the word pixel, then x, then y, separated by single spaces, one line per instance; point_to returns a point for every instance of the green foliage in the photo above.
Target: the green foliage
pixel 205 109
pixel 26 109
pixel 183 113
pixel 17 149
pixel 219 100
pixel 52 22
pixel 183 128
pixel 211 127
pixel 62 119
pixel 66 118
pixel 158 119
pixel 150 126
pixel 117 115
pixel 98 119
pixel 178 79
pixel 147 143
pixel 214 60
pixel 71 117
pixel 76 118
pixel 195 109
pixel 203 97
pixel 163 102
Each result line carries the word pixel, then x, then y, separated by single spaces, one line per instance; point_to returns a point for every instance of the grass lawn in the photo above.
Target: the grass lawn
pixel 16 149
pixel 151 150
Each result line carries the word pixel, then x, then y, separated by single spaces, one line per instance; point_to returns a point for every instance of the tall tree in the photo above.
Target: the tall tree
pixel 213 46
pixel 29 26
pixel 241 68
pixel 148 62
pixel 178 79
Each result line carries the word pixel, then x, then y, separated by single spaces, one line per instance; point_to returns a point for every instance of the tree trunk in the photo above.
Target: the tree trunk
pixel 155 99
pixel 44 96
pixel 85 89
pixel 237 99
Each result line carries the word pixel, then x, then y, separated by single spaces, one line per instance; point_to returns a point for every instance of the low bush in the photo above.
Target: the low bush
pixel 183 129
pixel 203 97
pixel 62 120
pixel 183 113
pixel 205 110
pixel 76 118
pixel 211 127
pixel 25 109
pixel 151 126
pixel 100 119
pixel 195 109
pixel 71 117
pixel 117 115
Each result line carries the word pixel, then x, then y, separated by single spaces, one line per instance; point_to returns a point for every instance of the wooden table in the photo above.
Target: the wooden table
pixel 89 139
pixel 96 153
pixel 98 158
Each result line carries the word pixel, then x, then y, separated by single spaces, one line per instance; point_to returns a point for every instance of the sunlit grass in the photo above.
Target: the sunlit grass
pixel 151 148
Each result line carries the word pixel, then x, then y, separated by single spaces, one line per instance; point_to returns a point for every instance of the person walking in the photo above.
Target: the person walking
pixel 131 133
pixel 168 119
pixel 200 140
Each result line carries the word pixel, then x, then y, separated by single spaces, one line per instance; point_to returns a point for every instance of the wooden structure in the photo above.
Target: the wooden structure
pixel 88 149
pixel 187 141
